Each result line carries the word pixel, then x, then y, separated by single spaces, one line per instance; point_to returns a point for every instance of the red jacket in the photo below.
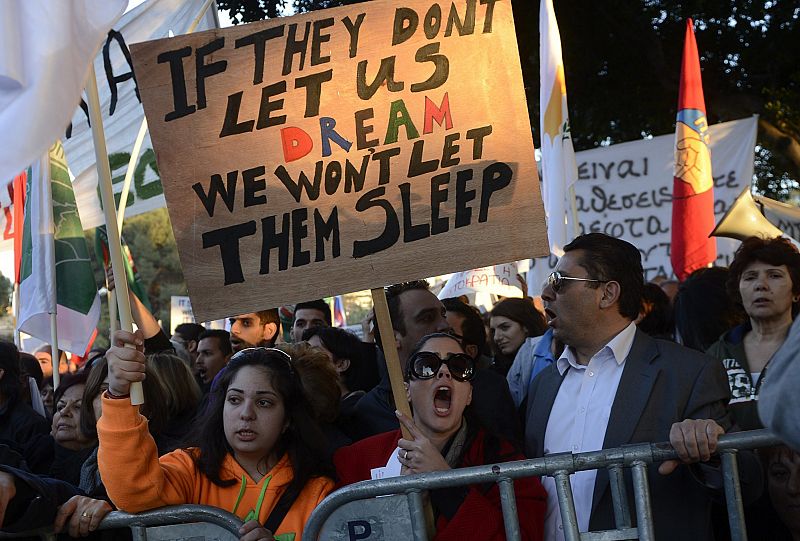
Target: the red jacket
pixel 479 516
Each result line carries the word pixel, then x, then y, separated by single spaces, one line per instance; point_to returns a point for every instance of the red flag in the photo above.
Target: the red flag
pixel 693 186
pixel 18 219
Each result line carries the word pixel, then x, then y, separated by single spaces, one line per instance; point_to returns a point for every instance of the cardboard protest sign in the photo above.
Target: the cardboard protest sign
pixel 342 149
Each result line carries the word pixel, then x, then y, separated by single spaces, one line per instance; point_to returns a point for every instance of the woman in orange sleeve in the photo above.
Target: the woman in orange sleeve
pixel 260 452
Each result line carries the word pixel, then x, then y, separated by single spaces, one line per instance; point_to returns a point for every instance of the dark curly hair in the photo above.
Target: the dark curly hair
pixel 773 251
pixel 303 440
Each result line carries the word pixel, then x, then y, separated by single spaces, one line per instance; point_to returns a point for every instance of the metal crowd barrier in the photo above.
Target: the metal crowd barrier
pixel 351 526
pixel 176 522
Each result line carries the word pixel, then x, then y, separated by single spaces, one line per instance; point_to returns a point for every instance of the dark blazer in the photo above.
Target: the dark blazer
pixel 662 383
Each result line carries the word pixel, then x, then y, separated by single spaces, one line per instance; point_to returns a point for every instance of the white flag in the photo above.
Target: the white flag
pixel 53 239
pixel 559 170
pixel 122 109
pixel 45 51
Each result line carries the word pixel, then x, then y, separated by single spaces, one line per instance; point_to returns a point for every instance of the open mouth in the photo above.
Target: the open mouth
pixel 442 400
pixel 201 373
pixel 549 314
pixel 246 435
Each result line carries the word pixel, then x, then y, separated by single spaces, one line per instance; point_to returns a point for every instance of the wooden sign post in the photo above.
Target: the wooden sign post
pixel 389 345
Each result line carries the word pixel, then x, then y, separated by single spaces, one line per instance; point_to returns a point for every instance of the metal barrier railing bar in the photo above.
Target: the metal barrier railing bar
pixel 560 466
pixel 174 515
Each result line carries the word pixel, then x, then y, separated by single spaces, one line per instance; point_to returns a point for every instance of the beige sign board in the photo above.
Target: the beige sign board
pixel 342 149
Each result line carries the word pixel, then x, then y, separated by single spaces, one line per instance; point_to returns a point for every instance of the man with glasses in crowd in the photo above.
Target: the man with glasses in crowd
pixel 614 385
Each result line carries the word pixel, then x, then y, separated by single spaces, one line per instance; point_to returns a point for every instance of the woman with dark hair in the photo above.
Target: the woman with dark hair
pixel 512 321
pixel 438 385
pixel 703 310
pixel 259 453
pixel 155 409
pixel 343 348
pixel 765 280
pixel 182 398
pixel 18 422
pixel 72 445
pixel 655 317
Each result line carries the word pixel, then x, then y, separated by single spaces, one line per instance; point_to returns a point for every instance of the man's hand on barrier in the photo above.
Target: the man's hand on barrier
pixel 695 440
pixel 8 489
pixel 84 515
pixel 418 455
pixel 125 365
pixel 252 530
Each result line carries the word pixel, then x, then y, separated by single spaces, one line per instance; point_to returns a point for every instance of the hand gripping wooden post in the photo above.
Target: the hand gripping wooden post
pixel 390 353
pixel 109 209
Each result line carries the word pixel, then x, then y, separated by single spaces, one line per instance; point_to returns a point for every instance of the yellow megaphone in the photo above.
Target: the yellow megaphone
pixel 745 219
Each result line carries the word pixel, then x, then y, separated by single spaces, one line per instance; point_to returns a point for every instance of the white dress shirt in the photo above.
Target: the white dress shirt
pixel 579 419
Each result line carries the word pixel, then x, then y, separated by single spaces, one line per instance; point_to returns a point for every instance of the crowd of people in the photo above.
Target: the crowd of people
pixel 266 428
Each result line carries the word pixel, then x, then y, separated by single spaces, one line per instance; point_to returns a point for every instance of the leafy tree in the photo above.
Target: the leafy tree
pixel 155 254
pixel 622 61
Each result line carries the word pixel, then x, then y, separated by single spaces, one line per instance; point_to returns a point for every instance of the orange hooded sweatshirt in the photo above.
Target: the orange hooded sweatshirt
pixel 138 480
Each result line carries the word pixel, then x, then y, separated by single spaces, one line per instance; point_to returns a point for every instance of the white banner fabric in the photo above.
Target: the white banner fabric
pixel 625 190
pixel 122 115
pixel 122 109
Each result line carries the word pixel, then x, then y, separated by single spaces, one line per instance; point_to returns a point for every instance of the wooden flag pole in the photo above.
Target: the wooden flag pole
pixel 55 357
pixel 126 186
pixel 113 318
pixel 109 210
pixel 573 206
pixel 390 353
pixel 137 145
pixel 15 302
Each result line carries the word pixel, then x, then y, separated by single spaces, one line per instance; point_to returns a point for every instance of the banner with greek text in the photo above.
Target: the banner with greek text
pixel 625 190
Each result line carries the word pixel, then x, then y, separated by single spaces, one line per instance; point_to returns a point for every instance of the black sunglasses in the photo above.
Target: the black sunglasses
pixel 556 280
pixel 426 364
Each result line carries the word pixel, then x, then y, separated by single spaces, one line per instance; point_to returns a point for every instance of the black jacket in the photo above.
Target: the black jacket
pixel 37 498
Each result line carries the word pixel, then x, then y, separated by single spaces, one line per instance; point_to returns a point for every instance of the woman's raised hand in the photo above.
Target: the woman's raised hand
pixel 418 455
pixel 125 364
